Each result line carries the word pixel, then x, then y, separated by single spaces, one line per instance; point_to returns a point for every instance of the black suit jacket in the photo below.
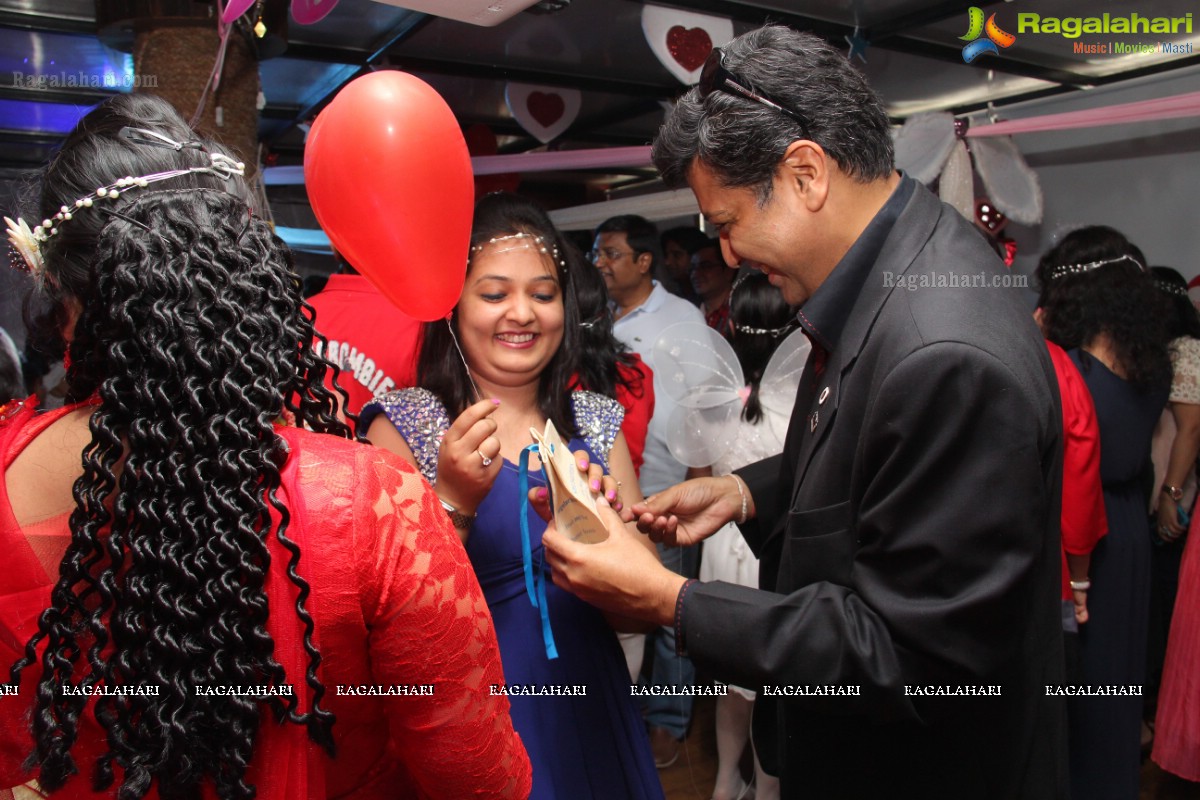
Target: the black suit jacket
pixel 910 539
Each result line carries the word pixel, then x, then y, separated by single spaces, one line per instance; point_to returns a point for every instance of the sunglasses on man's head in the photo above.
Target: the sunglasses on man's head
pixel 715 78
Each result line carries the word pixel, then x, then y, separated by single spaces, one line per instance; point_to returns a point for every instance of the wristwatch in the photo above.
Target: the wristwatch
pixel 1174 491
pixel 459 519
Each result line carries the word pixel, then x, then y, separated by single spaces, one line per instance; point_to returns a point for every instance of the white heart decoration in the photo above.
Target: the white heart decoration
pixel 543 111
pixel 678 37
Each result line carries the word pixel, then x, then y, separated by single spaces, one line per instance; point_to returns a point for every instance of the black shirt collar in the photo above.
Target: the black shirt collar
pixel 824 315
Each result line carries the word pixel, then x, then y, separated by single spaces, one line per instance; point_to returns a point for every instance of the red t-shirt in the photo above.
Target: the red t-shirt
pixel 1083 517
pixel 373 342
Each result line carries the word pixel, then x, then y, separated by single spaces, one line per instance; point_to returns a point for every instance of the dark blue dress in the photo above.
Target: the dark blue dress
pixel 1105 732
pixel 583 747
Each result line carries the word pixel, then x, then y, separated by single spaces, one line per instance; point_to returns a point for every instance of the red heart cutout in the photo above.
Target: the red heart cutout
pixel 547 109
pixel 689 46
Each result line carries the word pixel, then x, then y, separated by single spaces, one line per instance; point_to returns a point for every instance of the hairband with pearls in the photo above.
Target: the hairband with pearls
pixel 1077 269
pixel 27 241
pixel 538 241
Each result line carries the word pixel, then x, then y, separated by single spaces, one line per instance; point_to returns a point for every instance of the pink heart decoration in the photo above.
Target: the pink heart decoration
pixel 689 46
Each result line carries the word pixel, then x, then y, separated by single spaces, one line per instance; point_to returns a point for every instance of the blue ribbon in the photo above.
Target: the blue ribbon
pixel 535 580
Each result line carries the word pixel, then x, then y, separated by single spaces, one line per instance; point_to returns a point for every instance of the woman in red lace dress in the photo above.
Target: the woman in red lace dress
pixel 208 602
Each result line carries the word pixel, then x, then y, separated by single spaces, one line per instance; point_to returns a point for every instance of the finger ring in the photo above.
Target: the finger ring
pixel 618 486
pixel 487 462
pixel 1165 530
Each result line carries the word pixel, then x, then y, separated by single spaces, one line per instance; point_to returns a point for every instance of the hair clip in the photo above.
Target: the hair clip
pixel 1078 269
pixel 146 136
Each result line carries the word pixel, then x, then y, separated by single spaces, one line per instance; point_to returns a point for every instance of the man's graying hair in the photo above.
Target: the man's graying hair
pixel 743 141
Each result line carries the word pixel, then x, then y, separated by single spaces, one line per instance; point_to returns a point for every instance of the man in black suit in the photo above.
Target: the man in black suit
pixel 909 531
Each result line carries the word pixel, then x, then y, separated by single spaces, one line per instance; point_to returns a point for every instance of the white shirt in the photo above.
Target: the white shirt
pixel 639 330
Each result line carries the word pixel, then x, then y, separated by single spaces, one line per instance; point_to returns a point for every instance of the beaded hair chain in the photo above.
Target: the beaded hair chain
pixel 27 241
pixel 1063 270
pixel 538 242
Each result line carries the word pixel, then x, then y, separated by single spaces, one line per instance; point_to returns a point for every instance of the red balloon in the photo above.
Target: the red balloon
pixel 390 181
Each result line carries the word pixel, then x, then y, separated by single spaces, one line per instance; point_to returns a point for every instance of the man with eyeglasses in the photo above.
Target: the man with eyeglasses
pixel 906 633
pixel 625 253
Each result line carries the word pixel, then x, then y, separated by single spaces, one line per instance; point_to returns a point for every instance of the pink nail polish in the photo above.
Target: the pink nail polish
pixel 595 486
pixel 582 464
pixel 611 495
pixel 495 401
pixel 542 494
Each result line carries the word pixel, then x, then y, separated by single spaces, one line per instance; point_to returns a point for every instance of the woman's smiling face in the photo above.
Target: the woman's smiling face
pixel 510 316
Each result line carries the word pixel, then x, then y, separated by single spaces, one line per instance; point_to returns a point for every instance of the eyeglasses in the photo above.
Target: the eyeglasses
pixel 607 253
pixel 715 78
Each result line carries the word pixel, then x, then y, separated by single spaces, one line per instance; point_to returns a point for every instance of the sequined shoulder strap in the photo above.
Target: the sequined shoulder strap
pixel 421 419
pixel 598 419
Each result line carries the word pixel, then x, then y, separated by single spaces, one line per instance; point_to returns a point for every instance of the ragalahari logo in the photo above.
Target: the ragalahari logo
pixel 977 28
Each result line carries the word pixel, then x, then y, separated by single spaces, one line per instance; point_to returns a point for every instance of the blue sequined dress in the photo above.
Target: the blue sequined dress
pixel 589 746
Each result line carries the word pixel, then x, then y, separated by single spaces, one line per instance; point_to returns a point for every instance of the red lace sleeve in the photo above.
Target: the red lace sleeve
pixel 430 627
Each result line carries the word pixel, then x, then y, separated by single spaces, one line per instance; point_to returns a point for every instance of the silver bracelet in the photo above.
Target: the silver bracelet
pixel 741 493
pixel 1081 586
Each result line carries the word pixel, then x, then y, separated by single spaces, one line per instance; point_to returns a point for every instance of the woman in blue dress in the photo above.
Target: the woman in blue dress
pixel 1099 304
pixel 466 428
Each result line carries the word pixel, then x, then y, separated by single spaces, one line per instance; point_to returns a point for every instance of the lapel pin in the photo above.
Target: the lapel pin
pixel 824 396
pixel 812 422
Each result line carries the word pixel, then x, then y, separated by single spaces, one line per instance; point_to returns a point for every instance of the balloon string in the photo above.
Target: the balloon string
pixel 453 338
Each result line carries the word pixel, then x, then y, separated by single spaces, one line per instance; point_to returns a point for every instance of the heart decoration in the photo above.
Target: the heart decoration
pixel 545 112
pixel 305 12
pixel 989 217
pixel 681 40
pixel 689 46
pixel 547 109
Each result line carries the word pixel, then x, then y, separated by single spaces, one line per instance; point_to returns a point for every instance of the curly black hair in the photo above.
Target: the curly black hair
pixel 192 337
pixel 1116 299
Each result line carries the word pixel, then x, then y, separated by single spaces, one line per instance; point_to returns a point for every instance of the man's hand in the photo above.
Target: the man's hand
pixel 618 575
pixel 692 511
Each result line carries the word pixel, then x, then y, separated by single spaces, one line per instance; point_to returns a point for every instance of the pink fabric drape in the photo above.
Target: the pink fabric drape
pixel 1174 107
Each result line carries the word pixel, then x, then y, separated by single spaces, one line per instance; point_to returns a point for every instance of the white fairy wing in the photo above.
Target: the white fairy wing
pixel 696 367
pixel 699 437
pixel 781 378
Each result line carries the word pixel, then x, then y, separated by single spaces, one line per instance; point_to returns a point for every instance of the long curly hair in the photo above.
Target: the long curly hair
pixel 191 335
pixel 1117 299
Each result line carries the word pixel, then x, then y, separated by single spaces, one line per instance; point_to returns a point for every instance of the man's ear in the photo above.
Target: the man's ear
pixel 644 261
pixel 805 168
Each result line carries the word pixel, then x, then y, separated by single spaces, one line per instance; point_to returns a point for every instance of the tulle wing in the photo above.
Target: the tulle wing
pixel 698 370
pixel 781 378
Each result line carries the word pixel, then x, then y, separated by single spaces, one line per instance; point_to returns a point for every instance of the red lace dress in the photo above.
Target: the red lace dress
pixel 396 603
